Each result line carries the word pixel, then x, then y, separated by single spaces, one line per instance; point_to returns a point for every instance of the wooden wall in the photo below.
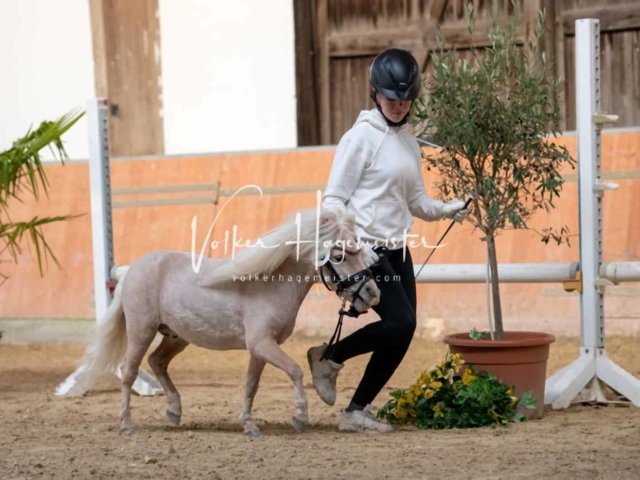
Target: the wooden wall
pixel 619 58
pixel 67 292
pixel 127 66
pixel 337 40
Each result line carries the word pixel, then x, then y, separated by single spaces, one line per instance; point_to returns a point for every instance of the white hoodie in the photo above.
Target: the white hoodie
pixel 377 176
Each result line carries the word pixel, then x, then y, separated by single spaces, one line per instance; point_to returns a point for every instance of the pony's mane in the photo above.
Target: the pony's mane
pixel 264 260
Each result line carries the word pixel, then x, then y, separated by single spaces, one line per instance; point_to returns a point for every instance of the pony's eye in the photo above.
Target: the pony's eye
pixel 339 258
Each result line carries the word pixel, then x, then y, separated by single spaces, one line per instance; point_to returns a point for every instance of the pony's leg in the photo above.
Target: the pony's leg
pixel 256 366
pixel 269 351
pixel 138 343
pixel 159 362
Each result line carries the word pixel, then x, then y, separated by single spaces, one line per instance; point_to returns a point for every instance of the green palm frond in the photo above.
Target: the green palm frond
pixel 13 233
pixel 22 170
pixel 21 165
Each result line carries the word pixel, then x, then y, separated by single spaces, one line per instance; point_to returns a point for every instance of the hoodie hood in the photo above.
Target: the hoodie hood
pixel 377 121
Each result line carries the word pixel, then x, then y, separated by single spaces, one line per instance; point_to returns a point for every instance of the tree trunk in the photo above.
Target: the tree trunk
pixel 495 288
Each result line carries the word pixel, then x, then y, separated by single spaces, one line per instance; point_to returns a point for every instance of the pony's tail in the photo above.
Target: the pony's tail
pixel 106 349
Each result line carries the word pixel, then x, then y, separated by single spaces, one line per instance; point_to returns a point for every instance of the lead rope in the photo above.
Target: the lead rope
pixel 336 333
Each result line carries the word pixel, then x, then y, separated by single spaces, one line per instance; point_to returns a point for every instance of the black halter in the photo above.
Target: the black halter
pixel 341 285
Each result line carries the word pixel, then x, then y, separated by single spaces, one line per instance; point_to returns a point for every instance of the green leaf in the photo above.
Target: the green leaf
pixel 397 394
pixel 476 335
pixel 528 401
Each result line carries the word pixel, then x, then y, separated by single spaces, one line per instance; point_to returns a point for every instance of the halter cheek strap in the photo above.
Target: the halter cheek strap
pixel 342 284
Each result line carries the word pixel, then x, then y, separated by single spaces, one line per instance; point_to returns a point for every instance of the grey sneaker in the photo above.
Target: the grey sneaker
pixel 363 421
pixel 324 374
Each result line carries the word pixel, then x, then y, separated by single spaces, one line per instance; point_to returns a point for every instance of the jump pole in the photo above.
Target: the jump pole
pixel 102 237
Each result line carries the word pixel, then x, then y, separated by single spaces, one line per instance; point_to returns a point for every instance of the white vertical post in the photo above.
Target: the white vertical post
pixel 587 104
pixel 102 239
pixel 101 221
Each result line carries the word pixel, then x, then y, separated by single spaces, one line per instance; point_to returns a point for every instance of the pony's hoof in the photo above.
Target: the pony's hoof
pixel 299 425
pixel 174 418
pixel 252 432
pixel 128 431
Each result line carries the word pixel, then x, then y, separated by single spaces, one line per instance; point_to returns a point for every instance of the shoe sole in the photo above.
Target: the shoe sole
pixel 342 429
pixel 348 430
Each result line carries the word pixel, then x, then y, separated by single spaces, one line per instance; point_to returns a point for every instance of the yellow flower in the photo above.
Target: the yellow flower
pixel 416 390
pixel 438 410
pixel 429 393
pixel 401 403
pixel 425 381
pixel 509 392
pixel 514 400
pixel 400 414
pixel 436 385
pixel 468 377
pixel 457 362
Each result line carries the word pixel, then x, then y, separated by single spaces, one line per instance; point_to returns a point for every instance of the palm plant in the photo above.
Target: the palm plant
pixel 22 173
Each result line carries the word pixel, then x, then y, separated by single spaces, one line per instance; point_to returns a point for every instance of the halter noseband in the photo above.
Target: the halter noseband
pixel 342 284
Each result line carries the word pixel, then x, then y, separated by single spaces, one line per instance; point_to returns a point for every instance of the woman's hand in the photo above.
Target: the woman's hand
pixel 455 210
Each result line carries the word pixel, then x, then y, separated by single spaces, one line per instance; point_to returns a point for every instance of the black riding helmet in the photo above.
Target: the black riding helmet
pixel 395 74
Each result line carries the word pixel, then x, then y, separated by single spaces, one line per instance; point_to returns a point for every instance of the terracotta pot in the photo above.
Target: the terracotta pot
pixel 519 360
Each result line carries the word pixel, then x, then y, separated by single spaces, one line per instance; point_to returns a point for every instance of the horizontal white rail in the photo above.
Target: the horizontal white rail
pixel 508 272
pixel 620 271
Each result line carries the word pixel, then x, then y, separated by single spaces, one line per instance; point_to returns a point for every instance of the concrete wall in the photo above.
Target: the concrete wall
pixel 47 67
pixel 228 75
pixel 228 72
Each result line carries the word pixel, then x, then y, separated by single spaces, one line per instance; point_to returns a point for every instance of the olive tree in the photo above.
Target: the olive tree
pixel 495 118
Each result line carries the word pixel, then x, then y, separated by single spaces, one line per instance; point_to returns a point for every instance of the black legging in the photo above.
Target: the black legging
pixel 390 337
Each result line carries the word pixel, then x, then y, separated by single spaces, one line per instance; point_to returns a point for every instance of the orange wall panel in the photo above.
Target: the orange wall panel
pixel 67 292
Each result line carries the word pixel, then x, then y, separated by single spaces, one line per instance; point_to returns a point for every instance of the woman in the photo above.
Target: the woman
pixel 376 175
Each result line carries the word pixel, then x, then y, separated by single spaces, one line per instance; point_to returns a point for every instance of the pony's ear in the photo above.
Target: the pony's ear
pixel 349 219
pixel 328 216
pixel 325 218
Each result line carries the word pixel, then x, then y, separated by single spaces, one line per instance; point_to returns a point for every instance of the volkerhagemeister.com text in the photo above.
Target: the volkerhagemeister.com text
pixel 306 278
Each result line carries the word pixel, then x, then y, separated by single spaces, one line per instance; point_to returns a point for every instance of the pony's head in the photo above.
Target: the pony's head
pixel 341 263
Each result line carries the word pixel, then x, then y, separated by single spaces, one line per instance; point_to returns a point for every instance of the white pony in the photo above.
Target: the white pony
pixel 215 309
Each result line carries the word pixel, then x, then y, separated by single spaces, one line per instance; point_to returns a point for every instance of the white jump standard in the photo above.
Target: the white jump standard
pixel 580 380
pixel 102 235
